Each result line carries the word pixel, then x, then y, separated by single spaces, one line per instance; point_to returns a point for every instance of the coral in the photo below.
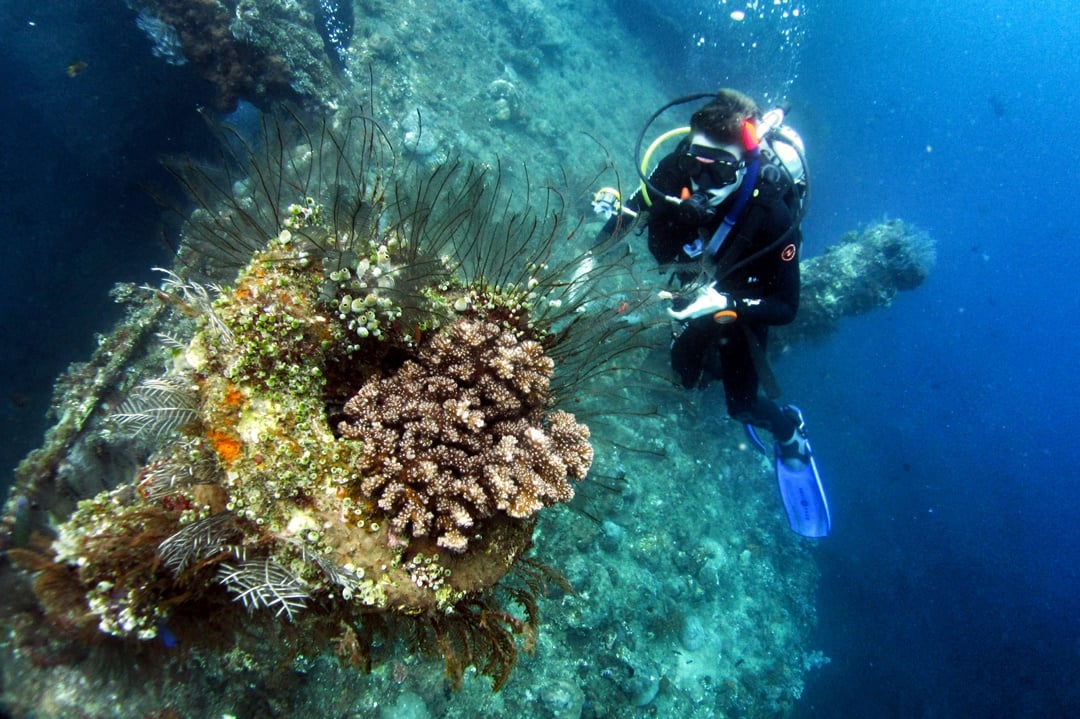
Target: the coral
pixel 110 544
pixel 458 434
pixel 422 319
pixel 863 272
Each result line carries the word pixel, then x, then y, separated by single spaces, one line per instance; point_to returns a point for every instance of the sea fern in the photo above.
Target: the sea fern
pixel 159 406
pixel 175 468
pixel 198 541
pixel 265 584
pixel 195 300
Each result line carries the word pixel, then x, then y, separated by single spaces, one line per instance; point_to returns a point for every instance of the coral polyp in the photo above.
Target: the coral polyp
pixel 362 421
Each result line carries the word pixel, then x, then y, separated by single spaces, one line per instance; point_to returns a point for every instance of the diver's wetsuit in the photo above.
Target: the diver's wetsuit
pixel 765 288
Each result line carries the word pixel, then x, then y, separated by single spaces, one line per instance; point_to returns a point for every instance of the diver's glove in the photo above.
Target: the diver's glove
pixel 708 302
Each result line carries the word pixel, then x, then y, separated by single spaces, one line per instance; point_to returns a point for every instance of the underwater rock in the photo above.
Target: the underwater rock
pixel 638 681
pixel 693 635
pixel 505 101
pixel 611 536
pixel 419 137
pixel 861 273
pixel 407 706
pixel 562 700
pixel 206 36
pixel 167 45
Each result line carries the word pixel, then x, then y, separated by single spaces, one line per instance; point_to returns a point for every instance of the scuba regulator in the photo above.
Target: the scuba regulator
pixel 607 202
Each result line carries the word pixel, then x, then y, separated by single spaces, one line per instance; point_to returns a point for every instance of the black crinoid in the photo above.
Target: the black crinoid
pixel 367 400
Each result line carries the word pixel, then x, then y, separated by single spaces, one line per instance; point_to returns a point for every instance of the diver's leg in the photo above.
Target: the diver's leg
pixel 742 386
pixel 689 349
pixel 796 473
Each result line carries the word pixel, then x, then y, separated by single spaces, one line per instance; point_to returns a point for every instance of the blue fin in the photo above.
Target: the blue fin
pixel 804 498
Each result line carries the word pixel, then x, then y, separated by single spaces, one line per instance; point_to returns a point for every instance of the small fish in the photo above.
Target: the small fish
pixel 996 106
pixel 168 639
pixel 77 68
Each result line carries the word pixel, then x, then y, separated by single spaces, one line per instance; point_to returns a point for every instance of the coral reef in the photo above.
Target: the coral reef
pixel 861 273
pixel 362 422
pixel 362 417
pixel 511 78
pixel 349 453
pixel 692 600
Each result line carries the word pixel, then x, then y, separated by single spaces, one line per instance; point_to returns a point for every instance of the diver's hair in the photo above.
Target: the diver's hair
pixel 722 118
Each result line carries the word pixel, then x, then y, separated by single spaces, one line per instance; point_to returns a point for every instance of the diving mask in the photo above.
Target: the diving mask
pixel 714 166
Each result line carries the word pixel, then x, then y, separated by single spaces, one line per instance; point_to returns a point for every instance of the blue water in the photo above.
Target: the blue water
pixel 77 156
pixel 944 425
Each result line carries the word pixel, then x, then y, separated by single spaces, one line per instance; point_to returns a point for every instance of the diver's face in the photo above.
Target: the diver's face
pixel 715 168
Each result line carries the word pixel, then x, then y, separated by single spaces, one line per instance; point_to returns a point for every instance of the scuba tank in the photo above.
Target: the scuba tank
pixel 785 152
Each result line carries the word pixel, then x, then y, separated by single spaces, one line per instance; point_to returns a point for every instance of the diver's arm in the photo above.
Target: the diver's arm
pixel 777 307
pixel 666 178
pixel 779 303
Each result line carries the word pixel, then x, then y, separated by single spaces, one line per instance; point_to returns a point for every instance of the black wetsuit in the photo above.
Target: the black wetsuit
pixel 757 266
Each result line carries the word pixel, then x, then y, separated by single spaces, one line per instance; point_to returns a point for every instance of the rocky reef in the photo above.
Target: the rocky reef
pixel 221 47
pixel 335 462
pixel 360 424
pixel 862 272
pixel 520 78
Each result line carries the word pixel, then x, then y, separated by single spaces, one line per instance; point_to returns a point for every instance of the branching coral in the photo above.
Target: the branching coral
pixel 458 435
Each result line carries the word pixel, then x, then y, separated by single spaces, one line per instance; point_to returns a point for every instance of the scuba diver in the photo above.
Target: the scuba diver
pixel 722 212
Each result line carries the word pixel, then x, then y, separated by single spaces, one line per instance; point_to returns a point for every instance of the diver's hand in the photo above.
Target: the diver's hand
pixel 707 302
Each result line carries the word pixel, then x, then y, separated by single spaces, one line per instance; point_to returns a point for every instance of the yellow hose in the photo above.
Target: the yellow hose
pixel 648 155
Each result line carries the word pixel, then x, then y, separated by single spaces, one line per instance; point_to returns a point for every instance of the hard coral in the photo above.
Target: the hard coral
pixel 458 435
pixel 441 311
